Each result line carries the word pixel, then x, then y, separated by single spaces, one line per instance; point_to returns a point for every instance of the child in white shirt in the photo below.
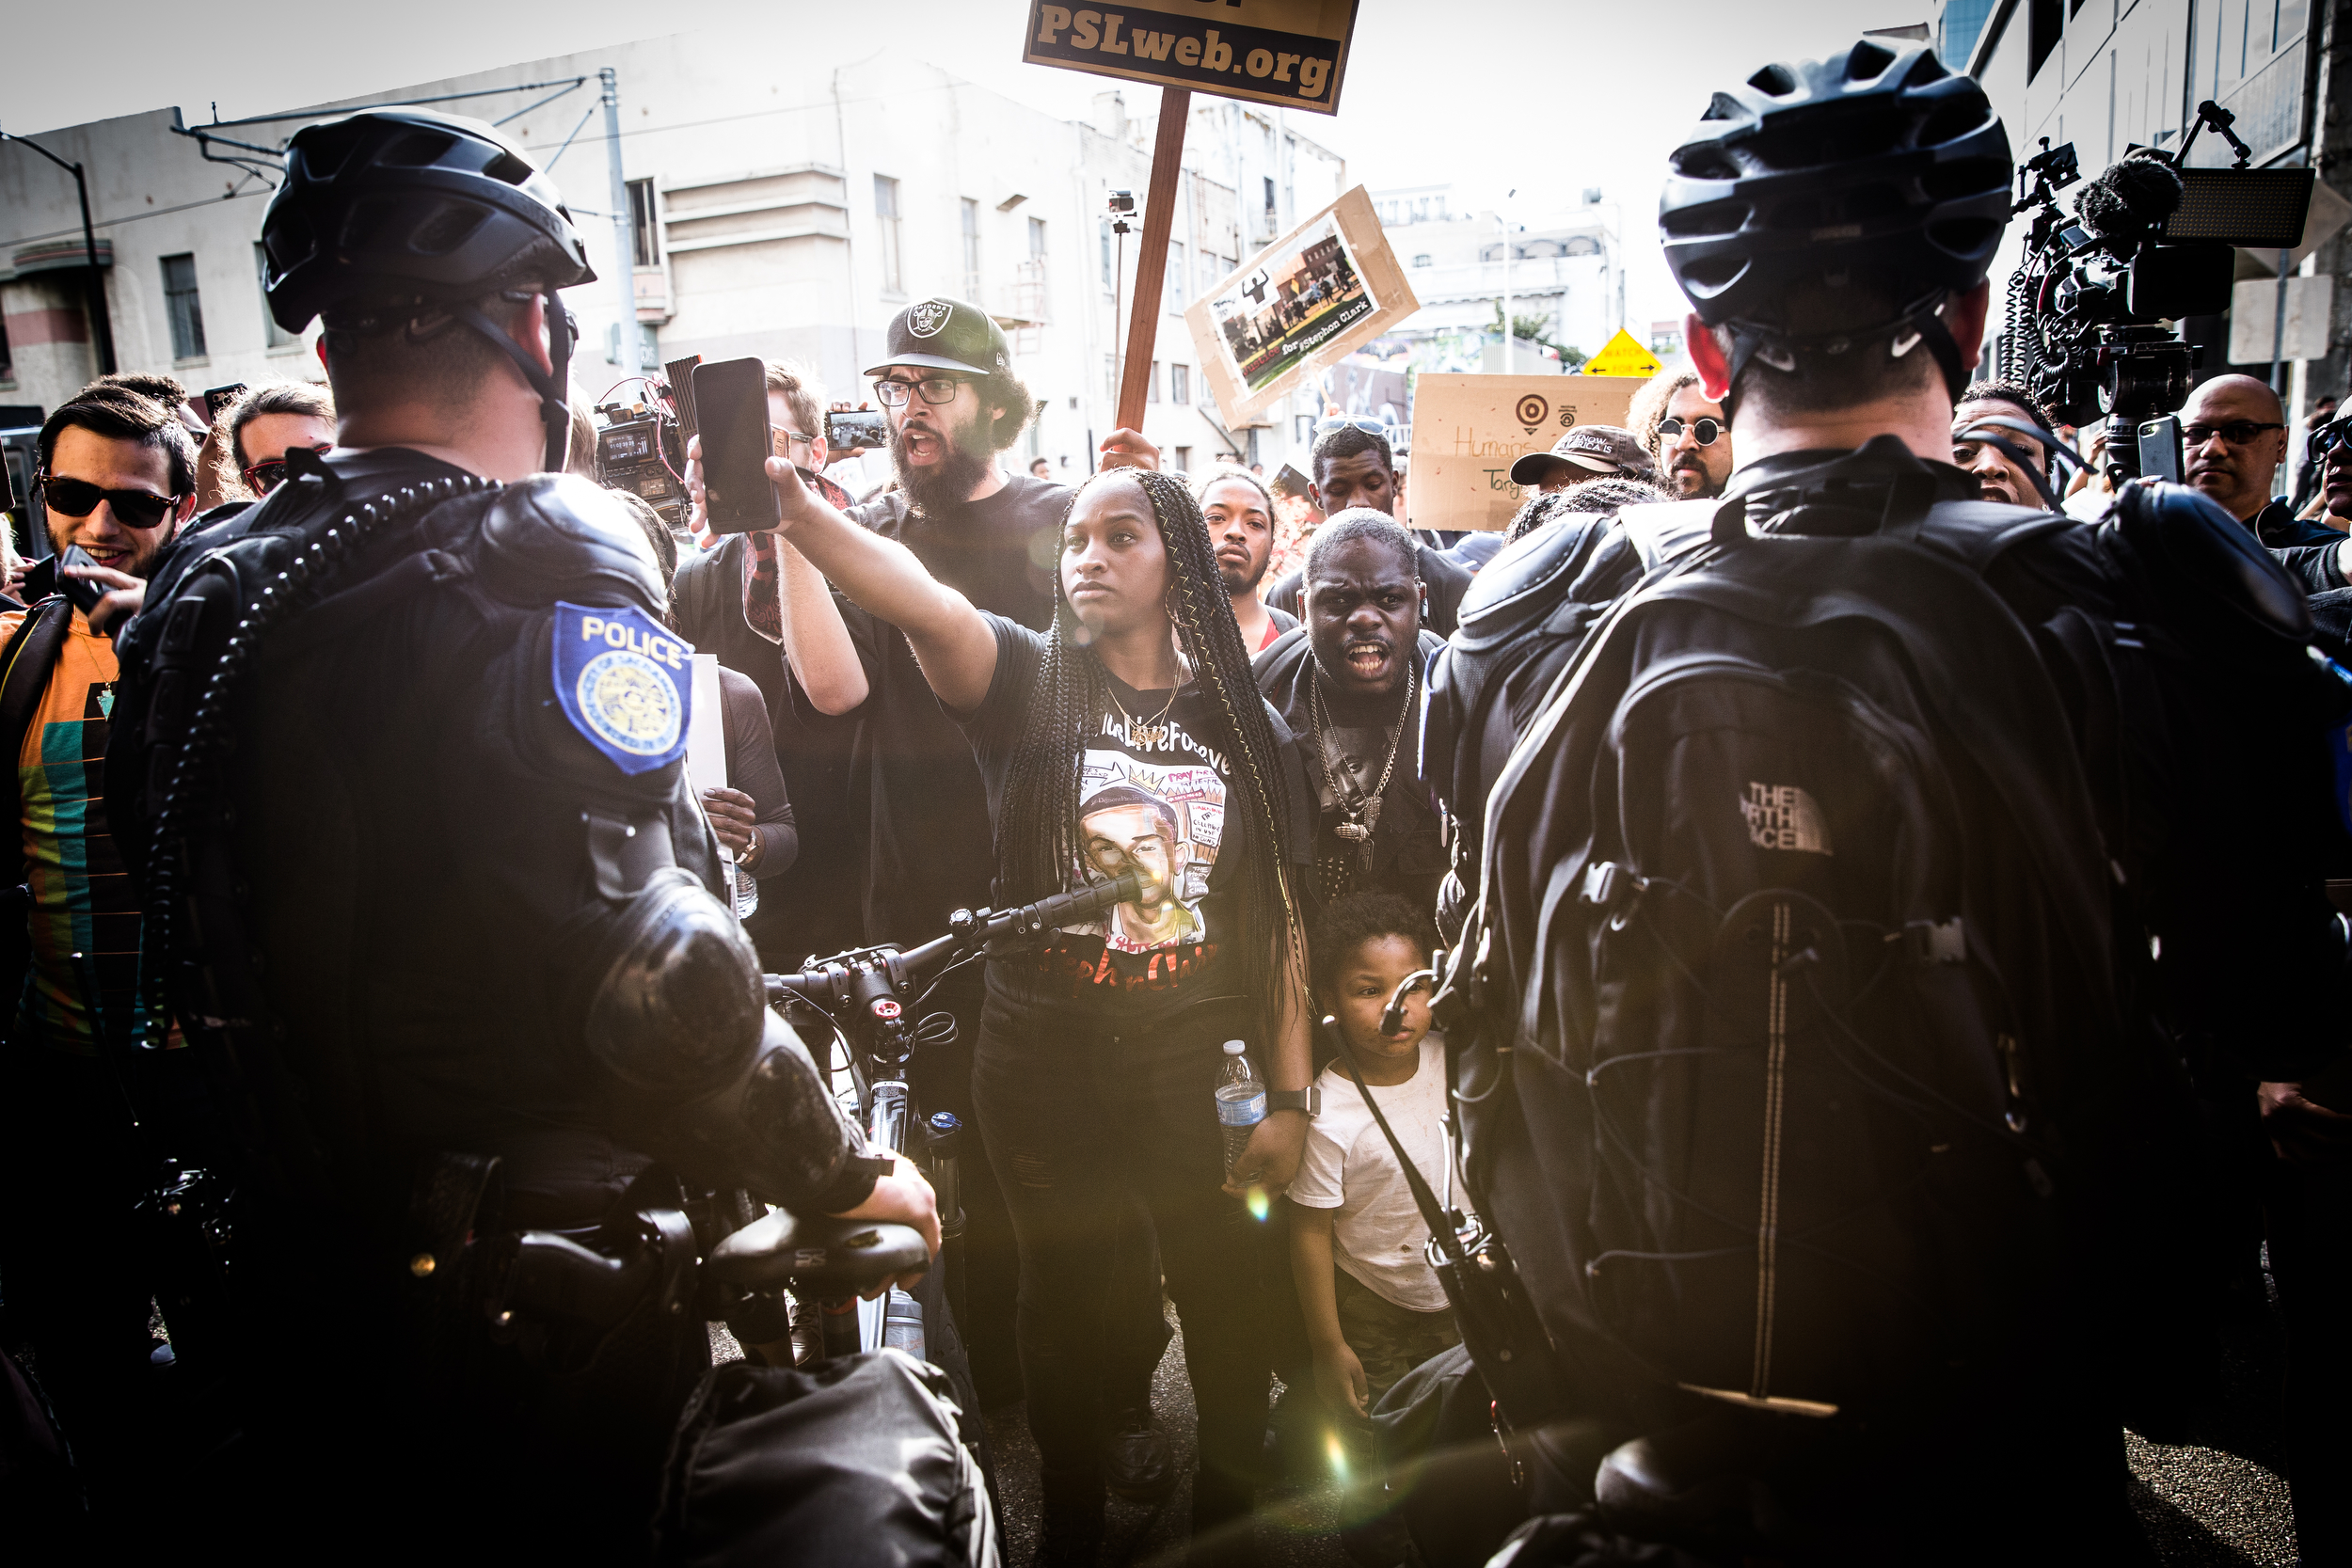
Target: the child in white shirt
pixel 1374 1308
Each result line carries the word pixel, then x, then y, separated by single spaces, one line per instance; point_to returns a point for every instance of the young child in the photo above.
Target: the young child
pixel 1375 1309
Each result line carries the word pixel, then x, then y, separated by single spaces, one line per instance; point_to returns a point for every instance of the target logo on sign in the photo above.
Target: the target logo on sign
pixel 1531 410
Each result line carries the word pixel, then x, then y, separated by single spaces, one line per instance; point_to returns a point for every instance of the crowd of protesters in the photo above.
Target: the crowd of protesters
pixel 970 686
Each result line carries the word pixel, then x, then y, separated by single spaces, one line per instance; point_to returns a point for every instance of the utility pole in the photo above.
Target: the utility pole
pixel 626 352
pixel 1509 332
pixel 101 324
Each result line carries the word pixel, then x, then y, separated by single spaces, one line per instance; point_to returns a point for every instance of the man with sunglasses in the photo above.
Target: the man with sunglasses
pixel 2235 432
pixel 117 472
pixel 1686 433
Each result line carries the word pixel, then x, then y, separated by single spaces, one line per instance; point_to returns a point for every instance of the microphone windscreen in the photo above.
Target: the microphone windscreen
pixel 2130 199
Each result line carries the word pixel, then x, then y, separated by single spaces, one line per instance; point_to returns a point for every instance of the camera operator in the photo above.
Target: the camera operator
pixel 1842 361
pixel 490 978
pixel 955 406
pixel 2236 434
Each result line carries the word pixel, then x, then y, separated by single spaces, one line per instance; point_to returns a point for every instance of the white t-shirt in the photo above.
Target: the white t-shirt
pixel 1378 1234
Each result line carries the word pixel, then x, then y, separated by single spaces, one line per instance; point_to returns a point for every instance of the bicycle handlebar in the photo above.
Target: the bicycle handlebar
pixel 967 932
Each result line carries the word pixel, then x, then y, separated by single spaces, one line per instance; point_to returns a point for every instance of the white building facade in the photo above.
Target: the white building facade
pixel 781 210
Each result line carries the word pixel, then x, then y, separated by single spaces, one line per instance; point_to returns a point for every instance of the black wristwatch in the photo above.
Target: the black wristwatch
pixel 1309 1100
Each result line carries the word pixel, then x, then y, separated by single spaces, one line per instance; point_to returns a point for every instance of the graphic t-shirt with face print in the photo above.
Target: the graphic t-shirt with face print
pixel 1154 793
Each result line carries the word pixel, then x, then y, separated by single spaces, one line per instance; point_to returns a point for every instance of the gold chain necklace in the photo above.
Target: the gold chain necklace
pixel 1151 732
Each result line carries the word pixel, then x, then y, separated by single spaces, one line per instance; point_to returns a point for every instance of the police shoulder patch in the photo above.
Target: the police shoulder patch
pixel 622 682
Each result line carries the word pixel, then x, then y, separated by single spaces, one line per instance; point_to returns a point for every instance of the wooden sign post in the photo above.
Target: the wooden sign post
pixel 1159 223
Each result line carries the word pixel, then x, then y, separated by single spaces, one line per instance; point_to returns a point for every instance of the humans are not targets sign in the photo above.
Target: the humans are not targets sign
pixel 1286 52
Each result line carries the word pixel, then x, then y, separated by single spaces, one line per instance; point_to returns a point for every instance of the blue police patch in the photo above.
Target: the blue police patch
pixel 624 683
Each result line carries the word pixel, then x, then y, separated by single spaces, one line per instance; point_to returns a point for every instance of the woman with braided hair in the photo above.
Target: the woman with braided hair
pixel 1129 738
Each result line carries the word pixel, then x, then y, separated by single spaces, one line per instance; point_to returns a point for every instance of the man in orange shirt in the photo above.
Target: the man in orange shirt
pixel 81 1069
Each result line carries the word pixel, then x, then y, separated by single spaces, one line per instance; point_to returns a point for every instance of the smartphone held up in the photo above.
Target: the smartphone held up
pixel 731 408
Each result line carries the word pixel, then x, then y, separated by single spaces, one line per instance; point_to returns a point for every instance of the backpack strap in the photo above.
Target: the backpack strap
pixel 25 665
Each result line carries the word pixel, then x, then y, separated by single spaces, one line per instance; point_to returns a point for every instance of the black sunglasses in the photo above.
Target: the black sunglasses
pixel 269 473
pixel 2328 438
pixel 2238 431
pixel 79 498
pixel 1702 431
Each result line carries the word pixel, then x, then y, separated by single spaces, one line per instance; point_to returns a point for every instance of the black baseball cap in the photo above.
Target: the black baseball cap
pixel 942 334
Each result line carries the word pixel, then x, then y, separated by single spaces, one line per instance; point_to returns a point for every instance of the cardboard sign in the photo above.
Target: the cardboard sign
pixel 1287 52
pixel 1300 304
pixel 1467 430
pixel 1622 356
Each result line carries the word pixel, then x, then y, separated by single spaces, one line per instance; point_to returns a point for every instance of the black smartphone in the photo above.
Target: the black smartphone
pixel 731 407
pixel 680 375
pixel 219 400
pixel 861 431
pixel 82 591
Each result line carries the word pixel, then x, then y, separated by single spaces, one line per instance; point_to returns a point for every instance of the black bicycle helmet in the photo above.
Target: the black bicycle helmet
pixel 398 201
pixel 1874 165
pixel 393 208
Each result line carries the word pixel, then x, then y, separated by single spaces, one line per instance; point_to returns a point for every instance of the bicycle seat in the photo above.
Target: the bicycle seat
pixel 825 1258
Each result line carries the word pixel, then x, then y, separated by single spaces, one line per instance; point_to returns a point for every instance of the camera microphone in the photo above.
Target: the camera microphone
pixel 2130 200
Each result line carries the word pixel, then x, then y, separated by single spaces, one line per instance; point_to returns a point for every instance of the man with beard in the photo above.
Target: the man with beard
pixel 1348 684
pixel 1240 513
pixel 954 405
pixel 1688 435
pixel 118 470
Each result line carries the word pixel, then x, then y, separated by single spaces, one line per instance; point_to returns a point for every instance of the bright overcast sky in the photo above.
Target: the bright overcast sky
pixel 1547 97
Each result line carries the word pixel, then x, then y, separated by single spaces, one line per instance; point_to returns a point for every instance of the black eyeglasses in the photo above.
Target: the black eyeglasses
pixel 2236 432
pixel 79 498
pixel 1702 431
pixel 935 388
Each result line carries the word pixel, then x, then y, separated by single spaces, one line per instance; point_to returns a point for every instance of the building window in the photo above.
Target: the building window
pixel 1151 384
pixel 1179 386
pixel 886 219
pixel 277 336
pixel 1421 259
pixel 1108 280
pixel 7 360
pixel 179 301
pixel 1036 239
pixel 1175 287
pixel 2044 19
pixel 1269 199
pixel 971 250
pixel 1183 460
pixel 643 223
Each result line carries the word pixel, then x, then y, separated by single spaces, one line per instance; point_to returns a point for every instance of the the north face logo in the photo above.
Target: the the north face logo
pixel 929 317
pixel 1782 817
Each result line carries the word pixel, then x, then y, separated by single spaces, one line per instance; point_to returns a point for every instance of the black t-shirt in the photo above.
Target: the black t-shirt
pixel 930 849
pixel 1152 796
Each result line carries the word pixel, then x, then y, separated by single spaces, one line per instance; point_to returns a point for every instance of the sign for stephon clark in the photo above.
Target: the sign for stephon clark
pixel 1286 52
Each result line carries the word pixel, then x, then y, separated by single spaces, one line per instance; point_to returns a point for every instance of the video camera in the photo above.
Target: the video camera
pixel 641 447
pixel 2092 305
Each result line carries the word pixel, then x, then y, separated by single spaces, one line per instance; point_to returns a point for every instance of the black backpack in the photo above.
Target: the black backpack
pixel 1809 1065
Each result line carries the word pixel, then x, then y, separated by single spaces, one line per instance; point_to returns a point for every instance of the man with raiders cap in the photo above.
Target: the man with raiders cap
pixel 1588 451
pixel 947 382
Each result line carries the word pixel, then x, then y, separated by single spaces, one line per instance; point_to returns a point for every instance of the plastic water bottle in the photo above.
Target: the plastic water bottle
pixel 1240 1100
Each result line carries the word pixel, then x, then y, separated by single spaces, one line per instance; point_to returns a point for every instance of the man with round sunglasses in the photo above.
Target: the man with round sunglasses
pixel 117 472
pixel 1687 433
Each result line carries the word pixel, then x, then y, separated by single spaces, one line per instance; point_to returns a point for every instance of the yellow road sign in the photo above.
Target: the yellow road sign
pixel 1622 356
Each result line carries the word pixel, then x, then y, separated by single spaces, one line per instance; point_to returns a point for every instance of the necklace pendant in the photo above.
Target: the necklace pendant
pixel 107 701
pixel 1355 832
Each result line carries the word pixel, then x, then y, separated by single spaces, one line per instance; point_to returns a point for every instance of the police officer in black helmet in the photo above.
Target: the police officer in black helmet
pixel 403 748
pixel 1832 223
